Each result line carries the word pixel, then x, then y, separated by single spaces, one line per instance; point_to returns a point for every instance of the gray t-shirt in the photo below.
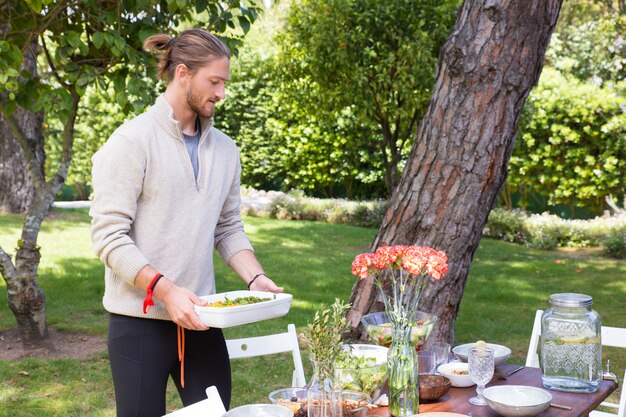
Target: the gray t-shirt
pixel 191 142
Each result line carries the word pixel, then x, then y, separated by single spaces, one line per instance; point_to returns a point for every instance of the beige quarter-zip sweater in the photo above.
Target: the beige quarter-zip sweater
pixel 149 209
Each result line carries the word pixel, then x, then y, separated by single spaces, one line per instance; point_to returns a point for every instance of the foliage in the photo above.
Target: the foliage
pixel 572 142
pixel 547 231
pixel 91 42
pixel 324 333
pixel 615 245
pixel 353 86
pixel 243 116
pixel 507 225
pixel 589 42
pixel 295 206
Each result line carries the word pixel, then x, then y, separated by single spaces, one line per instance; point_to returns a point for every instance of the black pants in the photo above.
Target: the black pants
pixel 144 353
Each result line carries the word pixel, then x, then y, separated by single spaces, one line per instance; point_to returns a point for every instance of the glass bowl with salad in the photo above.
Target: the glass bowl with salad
pixel 362 368
pixel 378 328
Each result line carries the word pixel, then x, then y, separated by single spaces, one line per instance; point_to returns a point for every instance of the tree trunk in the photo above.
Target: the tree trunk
pixel 459 161
pixel 25 298
pixel 16 186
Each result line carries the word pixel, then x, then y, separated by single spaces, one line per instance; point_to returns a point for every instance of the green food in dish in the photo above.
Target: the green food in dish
pixel 239 301
pixel 381 333
pixel 360 374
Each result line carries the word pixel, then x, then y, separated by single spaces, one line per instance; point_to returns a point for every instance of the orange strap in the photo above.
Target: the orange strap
pixel 181 354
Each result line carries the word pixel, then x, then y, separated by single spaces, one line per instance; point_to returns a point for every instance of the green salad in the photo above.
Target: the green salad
pixel 239 301
pixel 358 373
pixel 381 333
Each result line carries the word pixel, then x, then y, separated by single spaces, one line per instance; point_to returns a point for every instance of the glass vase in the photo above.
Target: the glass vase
pixel 324 393
pixel 403 373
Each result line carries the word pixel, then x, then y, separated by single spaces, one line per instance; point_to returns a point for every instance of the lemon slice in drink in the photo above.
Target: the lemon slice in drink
pixel 481 345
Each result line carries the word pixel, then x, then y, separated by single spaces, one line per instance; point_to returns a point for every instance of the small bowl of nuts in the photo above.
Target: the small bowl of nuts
pixel 292 398
pixel 355 404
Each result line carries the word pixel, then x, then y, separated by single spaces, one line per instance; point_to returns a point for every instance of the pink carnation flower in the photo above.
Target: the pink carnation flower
pixel 361 265
pixel 388 256
pixel 437 265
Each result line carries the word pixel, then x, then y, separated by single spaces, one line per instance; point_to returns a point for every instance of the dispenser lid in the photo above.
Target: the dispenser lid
pixel 571 300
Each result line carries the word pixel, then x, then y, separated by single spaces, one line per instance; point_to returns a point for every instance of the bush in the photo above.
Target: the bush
pixel 295 206
pixel 615 245
pixel 548 231
pixel 507 225
pixel 571 146
pixel 543 231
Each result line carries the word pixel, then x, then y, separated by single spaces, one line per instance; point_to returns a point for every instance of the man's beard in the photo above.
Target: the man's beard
pixel 197 105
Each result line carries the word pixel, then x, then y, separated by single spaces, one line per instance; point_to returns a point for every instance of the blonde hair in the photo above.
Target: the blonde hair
pixel 194 48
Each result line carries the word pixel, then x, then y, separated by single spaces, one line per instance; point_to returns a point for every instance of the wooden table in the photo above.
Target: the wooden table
pixel 456 400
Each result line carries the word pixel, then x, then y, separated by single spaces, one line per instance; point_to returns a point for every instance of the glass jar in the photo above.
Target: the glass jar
pixel 324 394
pixel 571 348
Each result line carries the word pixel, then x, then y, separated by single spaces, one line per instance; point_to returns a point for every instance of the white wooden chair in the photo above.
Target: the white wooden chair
pixel 611 337
pixel 269 345
pixel 211 407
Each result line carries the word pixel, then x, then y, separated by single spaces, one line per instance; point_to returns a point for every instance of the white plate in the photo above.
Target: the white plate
pixel 500 353
pixel 277 306
pixel 260 410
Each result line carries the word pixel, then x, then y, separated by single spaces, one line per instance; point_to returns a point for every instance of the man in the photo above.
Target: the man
pixel 166 192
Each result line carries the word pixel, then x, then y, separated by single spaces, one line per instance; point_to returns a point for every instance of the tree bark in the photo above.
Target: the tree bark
pixel 16 186
pixel 459 161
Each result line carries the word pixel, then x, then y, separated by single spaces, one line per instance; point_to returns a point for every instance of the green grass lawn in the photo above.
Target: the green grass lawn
pixel 312 261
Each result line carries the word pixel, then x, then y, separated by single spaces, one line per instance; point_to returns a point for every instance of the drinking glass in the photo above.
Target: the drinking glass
pixel 481 367
pixel 426 362
pixel 442 353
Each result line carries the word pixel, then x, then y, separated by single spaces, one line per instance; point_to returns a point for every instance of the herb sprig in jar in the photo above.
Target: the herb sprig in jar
pixel 324 334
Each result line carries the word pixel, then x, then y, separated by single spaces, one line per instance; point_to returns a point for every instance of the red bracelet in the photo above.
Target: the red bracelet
pixel 147 302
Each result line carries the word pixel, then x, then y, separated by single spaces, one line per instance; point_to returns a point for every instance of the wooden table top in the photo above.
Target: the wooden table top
pixel 456 400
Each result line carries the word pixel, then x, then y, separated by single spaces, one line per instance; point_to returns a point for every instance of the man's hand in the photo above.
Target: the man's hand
pixel 263 283
pixel 179 303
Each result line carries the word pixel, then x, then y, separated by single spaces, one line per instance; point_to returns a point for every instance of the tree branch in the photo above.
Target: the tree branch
pixel 7 269
pixel 50 62
pixel 68 140
pixel 29 156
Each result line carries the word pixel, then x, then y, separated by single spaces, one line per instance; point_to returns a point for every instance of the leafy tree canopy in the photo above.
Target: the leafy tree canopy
pixel 589 41
pixel 91 52
pixel 92 42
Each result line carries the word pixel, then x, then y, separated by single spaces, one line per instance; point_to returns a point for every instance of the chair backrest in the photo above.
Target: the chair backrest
pixel 212 406
pixel 611 336
pixel 532 358
pixel 269 345
pixel 215 401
